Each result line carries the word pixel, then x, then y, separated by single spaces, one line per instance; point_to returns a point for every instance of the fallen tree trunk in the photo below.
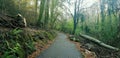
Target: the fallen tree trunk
pixel 99 42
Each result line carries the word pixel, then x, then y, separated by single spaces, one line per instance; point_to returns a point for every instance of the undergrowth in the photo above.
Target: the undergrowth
pixel 18 43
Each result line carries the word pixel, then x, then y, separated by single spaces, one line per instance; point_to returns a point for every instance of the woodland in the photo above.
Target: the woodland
pixel 27 26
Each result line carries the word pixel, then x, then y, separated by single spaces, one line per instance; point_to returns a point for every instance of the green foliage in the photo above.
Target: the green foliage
pixel 107 32
pixel 66 26
pixel 15 44
pixel 15 31
pixel 20 43
pixel 8 7
pixel 18 50
pixel 14 52
pixel 7 55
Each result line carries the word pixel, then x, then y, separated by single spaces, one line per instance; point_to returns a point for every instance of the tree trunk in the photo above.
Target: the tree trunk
pixel 99 42
pixel 46 14
pixel 41 11
pixel 75 18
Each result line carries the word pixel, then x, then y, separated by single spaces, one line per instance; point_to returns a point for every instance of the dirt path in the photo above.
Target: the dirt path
pixel 61 48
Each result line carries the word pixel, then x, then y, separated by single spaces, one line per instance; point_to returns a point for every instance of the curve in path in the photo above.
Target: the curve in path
pixel 61 48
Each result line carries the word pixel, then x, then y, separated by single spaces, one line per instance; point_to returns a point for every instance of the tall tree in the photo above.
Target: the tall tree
pixel 102 8
pixel 76 15
pixel 41 11
pixel 46 13
pixel 36 5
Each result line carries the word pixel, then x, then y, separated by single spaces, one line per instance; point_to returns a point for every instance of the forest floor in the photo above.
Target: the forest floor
pixel 79 45
pixel 92 50
pixel 86 53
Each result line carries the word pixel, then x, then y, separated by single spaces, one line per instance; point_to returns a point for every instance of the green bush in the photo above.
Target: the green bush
pixel 19 43
pixel 15 43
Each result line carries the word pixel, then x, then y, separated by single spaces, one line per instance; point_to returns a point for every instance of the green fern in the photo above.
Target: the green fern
pixel 15 31
pixel 17 49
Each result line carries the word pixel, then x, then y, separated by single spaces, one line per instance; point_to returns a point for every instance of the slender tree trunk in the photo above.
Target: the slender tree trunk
pixel 41 11
pixel 46 13
pixel 102 7
pixel 52 13
pixel 36 4
pixel 119 28
pixel 97 27
pixel 75 18
pixel 76 15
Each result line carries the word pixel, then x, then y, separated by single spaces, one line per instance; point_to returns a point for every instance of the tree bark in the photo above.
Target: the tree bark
pixel 74 18
pixel 46 14
pixel 41 11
